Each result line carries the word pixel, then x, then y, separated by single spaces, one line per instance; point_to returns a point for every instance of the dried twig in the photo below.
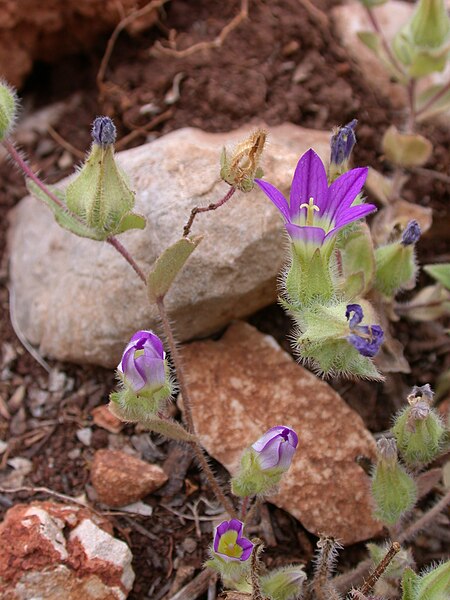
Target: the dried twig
pixel 64 143
pixel 379 569
pixel 137 131
pixel 158 49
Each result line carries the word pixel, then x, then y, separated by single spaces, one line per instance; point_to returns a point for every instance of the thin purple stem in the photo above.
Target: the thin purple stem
pixel 127 256
pixel 196 210
pixel 375 24
pixel 425 519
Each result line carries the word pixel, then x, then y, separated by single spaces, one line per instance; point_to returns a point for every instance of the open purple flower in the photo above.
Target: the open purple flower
pixel 230 544
pixel 276 448
pixel 143 364
pixel 316 211
pixel 367 339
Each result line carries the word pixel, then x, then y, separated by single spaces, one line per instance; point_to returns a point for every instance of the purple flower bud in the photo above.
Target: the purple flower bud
pixel 422 392
pixel 387 449
pixel 342 143
pixel 103 131
pixel 411 234
pixel 229 542
pixel 367 339
pixel 276 448
pixel 143 364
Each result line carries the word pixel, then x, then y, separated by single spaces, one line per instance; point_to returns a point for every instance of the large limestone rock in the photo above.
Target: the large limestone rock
pixel 244 384
pixel 79 301
pixel 351 18
pixel 53 551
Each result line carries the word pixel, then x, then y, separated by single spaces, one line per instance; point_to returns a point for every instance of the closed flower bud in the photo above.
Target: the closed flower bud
pixel 393 490
pixel 434 584
pixel 430 25
pixel 8 109
pixel 284 584
pixel 241 168
pixel 396 262
pixel 418 429
pixel 145 378
pixel 263 464
pixel 342 143
pixel 100 195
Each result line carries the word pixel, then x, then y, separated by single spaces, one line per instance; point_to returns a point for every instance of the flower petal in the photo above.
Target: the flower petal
pixel 272 433
pixel 344 190
pixel 247 547
pixel 275 196
pixel 151 370
pixel 130 373
pixel 354 213
pixel 309 181
pixel 308 235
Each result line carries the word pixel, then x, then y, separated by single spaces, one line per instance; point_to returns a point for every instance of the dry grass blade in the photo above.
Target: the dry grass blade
pixel 159 50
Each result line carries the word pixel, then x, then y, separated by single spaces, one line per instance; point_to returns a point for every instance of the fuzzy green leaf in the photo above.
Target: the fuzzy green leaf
pixel 409 585
pixel 168 265
pixel 131 221
pixel 440 272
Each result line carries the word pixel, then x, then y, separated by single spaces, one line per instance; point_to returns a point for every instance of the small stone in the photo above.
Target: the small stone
pixel 85 436
pixel 189 545
pixel 65 161
pixel 120 479
pixel 104 418
pixel 230 275
pixel 257 385
pixel 53 551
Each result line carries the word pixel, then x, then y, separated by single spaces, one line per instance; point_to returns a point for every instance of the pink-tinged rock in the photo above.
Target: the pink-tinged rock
pixel 53 551
pixel 244 384
pixel 104 418
pixel 351 18
pixel 120 479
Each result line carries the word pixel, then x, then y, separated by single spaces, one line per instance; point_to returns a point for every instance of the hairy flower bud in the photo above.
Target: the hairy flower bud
pixel 393 490
pixel 145 378
pixel 418 429
pixel 103 131
pixel 8 109
pixel 430 24
pixel 434 584
pixel 342 143
pixel 241 168
pixel 263 464
pixel 284 584
pixel 411 234
pixel 396 262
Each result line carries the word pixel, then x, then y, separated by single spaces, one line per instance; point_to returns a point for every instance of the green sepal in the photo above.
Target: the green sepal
pixel 63 216
pixel 308 278
pixel 394 492
pixel 358 263
pixel 234 574
pixel 440 272
pixel 8 109
pixel 420 442
pixel 395 268
pixel 131 221
pixel 435 584
pixel 251 480
pixel 100 194
pixel 283 584
pixel 409 585
pixel 167 267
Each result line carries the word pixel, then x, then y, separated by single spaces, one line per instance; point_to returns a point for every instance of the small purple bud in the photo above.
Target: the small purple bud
pixel 103 131
pixel 229 542
pixel 358 314
pixel 411 234
pixel 342 143
pixel 143 364
pixel 387 449
pixel 276 448
pixel 423 392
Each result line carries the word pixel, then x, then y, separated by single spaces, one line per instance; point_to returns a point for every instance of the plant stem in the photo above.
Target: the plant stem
pixel 28 172
pixel 375 24
pixel 196 210
pixel 380 569
pixel 425 519
pixel 127 256
pixel 187 404
pixel 411 105
pixel 434 99
pixel 244 507
pixel 346 580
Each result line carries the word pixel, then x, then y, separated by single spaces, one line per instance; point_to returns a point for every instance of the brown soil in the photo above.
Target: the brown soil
pixel 249 78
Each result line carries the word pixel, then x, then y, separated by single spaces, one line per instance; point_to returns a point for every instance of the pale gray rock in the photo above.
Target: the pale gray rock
pixel 78 300
pixel 255 385
pixel 351 18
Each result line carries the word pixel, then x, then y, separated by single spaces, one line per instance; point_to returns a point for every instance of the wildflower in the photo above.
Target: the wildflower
pixel 367 339
pixel 276 448
pixel 316 211
pixel 229 543
pixel 143 362
pixel 342 143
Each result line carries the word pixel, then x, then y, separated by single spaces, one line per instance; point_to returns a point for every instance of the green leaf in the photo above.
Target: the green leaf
pixel 409 584
pixel 440 272
pixel 131 221
pixel 442 104
pixel 63 216
pixel 406 149
pixel 168 265
pixel 371 40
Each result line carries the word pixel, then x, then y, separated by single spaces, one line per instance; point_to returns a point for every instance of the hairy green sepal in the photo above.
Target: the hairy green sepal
pixel 420 440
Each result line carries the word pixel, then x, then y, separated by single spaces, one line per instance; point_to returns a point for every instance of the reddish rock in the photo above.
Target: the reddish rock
pixel 120 479
pixel 53 551
pixel 104 418
pixel 256 385
pixel 34 30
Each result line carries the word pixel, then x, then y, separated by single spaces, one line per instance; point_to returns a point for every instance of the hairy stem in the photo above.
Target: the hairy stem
pixel 379 569
pixel 28 172
pixel 127 256
pixel 197 209
pixel 425 519
pixel 187 404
